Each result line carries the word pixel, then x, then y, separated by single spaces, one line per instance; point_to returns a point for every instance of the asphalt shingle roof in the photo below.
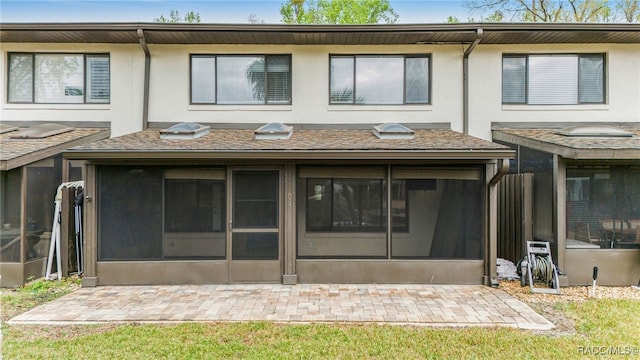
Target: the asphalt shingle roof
pixel 14 149
pixel 594 147
pixel 302 140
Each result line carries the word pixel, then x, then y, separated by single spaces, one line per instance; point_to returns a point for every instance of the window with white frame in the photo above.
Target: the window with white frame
pixel 558 79
pixel 59 78
pixel 380 79
pixel 241 79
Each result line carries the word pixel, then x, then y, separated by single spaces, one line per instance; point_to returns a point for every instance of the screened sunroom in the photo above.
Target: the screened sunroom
pixel 586 196
pixel 31 169
pixel 284 204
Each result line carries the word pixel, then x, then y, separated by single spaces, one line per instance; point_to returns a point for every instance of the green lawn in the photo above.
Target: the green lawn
pixel 609 323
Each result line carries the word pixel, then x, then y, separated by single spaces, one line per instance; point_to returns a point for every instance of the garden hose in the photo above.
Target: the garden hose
pixel 542 268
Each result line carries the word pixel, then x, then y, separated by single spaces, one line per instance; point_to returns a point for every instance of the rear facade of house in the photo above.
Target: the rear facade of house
pixel 327 154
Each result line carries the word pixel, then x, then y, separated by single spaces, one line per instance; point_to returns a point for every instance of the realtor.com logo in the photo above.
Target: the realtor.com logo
pixel 609 350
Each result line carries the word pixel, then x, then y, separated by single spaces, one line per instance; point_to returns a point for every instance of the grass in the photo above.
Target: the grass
pixel 34 293
pixel 598 323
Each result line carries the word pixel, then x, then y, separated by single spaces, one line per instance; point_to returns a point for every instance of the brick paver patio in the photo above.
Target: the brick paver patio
pixel 422 305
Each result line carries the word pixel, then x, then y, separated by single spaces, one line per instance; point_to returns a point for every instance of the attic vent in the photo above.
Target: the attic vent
pixel 274 131
pixel 4 128
pixel 41 131
pixel 594 131
pixel 393 131
pixel 184 131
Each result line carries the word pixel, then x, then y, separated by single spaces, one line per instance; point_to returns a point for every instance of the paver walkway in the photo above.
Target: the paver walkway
pixel 422 305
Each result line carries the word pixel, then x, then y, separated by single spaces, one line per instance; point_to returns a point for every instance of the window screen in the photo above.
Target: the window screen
pixel 130 213
pixel 436 212
pixel 10 203
pixel 346 205
pixel 601 206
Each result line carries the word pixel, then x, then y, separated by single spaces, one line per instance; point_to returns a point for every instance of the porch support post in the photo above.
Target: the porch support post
pixel 289 276
pixel 560 181
pixel 494 174
pixel 90 278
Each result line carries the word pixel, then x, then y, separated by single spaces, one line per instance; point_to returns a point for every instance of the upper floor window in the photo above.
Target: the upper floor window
pixel 562 79
pixel 380 79
pixel 59 78
pixel 240 79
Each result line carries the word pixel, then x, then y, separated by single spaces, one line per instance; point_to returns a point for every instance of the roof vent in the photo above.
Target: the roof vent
pixel 594 131
pixel 393 131
pixel 41 131
pixel 184 131
pixel 274 131
pixel 4 128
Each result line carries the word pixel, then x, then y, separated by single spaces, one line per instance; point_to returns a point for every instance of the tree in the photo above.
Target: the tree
pixel 584 11
pixel 630 10
pixel 174 17
pixel 337 12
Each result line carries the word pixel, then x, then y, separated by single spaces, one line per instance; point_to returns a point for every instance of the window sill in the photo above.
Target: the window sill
pixel 57 107
pixel 394 108
pixel 194 107
pixel 586 107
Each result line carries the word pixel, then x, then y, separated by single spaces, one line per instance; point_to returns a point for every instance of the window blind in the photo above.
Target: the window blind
pixel 21 78
pixel 562 79
pixel 203 79
pixel 514 72
pixel 553 79
pixel 278 79
pixel 98 86
pixel 59 78
pixel 342 79
pixel 417 80
pixel 591 79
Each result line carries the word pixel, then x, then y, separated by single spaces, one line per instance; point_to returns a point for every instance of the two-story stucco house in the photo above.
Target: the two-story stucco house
pixel 330 154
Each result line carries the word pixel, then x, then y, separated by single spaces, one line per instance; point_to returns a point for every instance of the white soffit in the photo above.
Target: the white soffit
pixel 184 131
pixel 41 131
pixel 594 131
pixel 393 131
pixel 274 131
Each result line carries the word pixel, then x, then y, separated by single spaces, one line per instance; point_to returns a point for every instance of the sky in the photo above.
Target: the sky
pixel 211 11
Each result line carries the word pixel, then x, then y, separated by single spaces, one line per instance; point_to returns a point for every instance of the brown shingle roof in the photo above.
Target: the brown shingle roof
pixel 324 141
pixel 582 147
pixel 18 152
